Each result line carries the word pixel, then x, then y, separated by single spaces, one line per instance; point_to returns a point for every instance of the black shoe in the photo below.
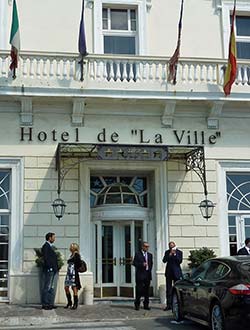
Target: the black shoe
pixel 47 307
pixel 53 307
pixel 137 308
pixel 75 305
pixel 167 308
pixel 68 306
pixel 147 308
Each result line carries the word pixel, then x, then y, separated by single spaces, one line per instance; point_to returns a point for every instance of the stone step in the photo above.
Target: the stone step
pixel 122 300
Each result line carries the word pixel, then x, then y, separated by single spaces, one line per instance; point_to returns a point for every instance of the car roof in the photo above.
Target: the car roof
pixel 242 258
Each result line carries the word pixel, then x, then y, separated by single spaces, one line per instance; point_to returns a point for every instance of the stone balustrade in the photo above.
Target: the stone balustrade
pixel 121 73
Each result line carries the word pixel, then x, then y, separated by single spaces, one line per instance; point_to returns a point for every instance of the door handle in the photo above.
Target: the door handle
pixel 114 261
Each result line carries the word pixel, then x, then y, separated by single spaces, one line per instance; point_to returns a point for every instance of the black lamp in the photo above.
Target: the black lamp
pixel 59 207
pixel 206 207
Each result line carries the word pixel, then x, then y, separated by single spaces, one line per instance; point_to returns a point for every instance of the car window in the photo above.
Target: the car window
pixel 200 272
pixel 216 271
pixel 244 269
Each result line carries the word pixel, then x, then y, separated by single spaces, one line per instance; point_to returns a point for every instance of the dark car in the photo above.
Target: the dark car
pixel 216 294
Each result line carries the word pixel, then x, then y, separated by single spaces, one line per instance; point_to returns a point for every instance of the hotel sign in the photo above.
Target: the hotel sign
pixel 136 136
pixel 128 152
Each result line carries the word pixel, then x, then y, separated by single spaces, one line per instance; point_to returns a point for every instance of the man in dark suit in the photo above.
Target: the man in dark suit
pixel 173 258
pixel 50 272
pixel 246 249
pixel 143 262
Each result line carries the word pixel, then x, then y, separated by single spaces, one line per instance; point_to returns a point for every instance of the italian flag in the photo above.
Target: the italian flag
pixel 14 39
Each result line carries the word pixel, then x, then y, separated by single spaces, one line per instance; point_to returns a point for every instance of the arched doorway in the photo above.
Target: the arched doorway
pixel 120 224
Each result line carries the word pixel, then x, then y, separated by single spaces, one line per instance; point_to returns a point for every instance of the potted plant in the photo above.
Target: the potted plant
pixel 39 258
pixel 197 257
pixel 40 263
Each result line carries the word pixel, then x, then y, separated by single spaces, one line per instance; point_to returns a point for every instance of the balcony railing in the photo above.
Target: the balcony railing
pixel 123 73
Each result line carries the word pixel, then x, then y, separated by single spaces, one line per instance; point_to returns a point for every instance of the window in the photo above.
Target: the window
pixel 118 190
pixel 242 33
pixel 200 272
pixel 238 188
pixel 216 271
pixel 238 206
pixel 4 231
pixel 119 26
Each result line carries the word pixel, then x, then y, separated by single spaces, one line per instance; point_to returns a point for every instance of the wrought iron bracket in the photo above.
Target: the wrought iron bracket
pixel 195 161
pixel 69 155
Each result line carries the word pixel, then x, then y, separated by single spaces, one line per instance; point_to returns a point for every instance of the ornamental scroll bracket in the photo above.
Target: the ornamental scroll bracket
pixel 195 160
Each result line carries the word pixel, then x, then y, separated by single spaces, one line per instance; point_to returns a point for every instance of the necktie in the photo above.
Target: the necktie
pixel 146 259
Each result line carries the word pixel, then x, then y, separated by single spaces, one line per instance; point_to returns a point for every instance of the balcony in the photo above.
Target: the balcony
pixel 119 76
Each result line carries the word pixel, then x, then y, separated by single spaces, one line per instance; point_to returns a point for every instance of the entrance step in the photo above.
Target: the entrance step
pixel 122 300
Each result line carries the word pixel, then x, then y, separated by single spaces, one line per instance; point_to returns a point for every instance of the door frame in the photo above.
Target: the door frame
pixel 16 223
pixel 157 214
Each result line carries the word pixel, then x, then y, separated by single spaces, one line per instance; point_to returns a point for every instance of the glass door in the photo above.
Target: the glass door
pixel 130 241
pixel 239 230
pixel 108 261
pixel 116 244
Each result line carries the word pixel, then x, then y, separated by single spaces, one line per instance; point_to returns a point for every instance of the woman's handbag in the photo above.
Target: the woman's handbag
pixel 83 267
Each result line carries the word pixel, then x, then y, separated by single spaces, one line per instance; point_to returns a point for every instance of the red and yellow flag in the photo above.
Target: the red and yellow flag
pixel 231 70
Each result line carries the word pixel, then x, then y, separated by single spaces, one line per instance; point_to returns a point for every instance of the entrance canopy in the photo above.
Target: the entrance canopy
pixel 68 155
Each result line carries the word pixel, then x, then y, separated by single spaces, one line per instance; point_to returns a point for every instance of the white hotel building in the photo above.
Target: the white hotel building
pixel 121 140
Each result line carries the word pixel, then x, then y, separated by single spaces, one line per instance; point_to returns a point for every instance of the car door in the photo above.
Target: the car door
pixel 189 290
pixel 206 289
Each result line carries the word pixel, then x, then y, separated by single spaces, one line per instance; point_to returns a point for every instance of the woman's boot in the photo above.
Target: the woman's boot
pixel 75 302
pixel 69 304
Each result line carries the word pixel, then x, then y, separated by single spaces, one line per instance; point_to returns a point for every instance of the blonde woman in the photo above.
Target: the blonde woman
pixel 72 277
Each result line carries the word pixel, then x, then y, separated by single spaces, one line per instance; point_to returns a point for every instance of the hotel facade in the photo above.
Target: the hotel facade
pixel 130 153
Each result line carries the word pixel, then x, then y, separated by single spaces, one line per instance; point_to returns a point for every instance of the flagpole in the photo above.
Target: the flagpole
pixel 81 66
pixel 14 73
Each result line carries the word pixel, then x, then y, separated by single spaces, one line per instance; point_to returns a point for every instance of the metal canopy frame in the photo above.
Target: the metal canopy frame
pixel 68 155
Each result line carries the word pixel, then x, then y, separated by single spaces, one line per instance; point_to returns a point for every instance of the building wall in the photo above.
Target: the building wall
pixel 53 26
pixel 185 191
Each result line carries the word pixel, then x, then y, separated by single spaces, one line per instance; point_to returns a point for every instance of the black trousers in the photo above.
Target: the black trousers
pixel 170 280
pixel 142 290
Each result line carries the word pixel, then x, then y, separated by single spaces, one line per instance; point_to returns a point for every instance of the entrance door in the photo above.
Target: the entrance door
pixel 116 246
